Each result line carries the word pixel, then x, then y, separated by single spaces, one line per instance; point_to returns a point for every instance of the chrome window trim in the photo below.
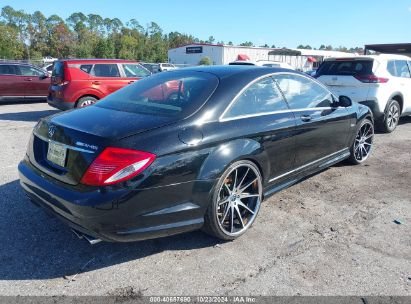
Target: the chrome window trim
pixel 276 112
pixel 61 144
pixel 306 165
pixel 223 119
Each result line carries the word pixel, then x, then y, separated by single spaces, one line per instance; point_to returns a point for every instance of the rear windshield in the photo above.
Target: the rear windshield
pixel 346 67
pixel 173 94
pixel 58 69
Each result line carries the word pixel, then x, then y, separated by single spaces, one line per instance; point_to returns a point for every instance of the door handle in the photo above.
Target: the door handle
pixel 28 79
pixel 306 118
pixel 131 81
pixel 96 82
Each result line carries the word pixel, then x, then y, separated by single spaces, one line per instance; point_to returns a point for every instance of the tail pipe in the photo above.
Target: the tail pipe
pixel 88 238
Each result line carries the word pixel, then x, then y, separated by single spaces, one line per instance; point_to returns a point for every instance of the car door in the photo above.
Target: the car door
pixel 404 78
pixel 132 72
pixel 11 84
pixel 261 114
pixel 106 78
pixel 321 128
pixel 36 82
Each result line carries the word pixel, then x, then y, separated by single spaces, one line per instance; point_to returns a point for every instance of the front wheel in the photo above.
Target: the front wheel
pixel 361 148
pixel 235 202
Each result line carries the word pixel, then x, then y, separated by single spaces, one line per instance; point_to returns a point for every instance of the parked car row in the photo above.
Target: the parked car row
pixel 381 82
pixel 188 149
pixel 72 83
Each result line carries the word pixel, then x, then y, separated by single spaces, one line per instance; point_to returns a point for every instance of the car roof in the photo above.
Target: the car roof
pixel 97 61
pixel 224 71
pixel 379 57
pixel 19 63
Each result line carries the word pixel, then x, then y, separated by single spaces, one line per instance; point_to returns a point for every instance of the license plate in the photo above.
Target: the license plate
pixel 57 154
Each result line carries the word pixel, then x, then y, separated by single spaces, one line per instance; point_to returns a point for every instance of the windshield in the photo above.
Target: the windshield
pixel 174 94
pixel 345 67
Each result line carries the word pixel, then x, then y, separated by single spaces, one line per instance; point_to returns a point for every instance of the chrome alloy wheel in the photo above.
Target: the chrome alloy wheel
pixel 239 199
pixel 363 141
pixel 87 102
pixel 393 116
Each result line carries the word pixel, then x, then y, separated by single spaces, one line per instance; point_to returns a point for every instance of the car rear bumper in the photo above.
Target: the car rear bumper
pixel 60 104
pixel 118 215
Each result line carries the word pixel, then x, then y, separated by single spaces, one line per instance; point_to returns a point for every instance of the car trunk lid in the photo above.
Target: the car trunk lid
pixel 64 145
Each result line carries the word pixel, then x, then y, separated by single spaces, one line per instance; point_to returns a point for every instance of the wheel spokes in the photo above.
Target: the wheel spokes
pixel 245 207
pixel 239 199
pixel 242 180
pixel 248 185
pixel 225 214
pixel 363 141
pixel 232 219
pixel 239 217
pixel 247 195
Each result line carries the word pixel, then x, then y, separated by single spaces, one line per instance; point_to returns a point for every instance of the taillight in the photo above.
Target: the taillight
pixel 115 165
pixel 371 79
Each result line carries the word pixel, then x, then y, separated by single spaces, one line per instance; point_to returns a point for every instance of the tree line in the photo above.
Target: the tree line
pixel 33 36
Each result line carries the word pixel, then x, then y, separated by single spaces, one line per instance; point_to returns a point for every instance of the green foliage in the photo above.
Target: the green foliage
pixel 24 36
pixel 205 61
pixel 247 43
pixel 10 46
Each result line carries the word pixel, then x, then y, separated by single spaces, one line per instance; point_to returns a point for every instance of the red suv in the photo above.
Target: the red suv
pixel 81 82
pixel 19 81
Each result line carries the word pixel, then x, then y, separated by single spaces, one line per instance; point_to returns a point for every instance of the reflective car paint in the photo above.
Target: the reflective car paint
pixel 172 195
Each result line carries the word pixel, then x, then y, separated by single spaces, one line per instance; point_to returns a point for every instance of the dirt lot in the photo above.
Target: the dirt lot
pixel 332 234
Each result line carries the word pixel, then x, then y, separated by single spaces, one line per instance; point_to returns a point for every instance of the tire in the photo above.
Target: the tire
pixel 362 145
pixel 86 101
pixel 232 210
pixel 391 117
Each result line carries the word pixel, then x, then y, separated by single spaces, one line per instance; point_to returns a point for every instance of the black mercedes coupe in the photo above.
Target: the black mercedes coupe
pixel 188 149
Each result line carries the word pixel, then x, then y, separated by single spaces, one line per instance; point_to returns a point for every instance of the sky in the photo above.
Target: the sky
pixel 348 23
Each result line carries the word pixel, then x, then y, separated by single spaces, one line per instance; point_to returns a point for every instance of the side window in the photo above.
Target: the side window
pixel 261 97
pixel 86 68
pixel 8 69
pixel 402 69
pixel 135 70
pixel 301 92
pixel 29 71
pixel 105 70
pixel 391 68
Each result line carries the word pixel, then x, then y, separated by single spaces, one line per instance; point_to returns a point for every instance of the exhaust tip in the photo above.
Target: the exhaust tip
pixel 90 239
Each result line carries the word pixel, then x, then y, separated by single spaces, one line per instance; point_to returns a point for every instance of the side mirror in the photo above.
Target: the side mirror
pixel 344 101
pixel 44 76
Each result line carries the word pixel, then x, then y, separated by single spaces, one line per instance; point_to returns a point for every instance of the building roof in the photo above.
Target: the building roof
pixel 392 48
pixel 305 52
pixel 221 45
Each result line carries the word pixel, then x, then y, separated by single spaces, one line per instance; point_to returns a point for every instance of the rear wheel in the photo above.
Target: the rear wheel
pixel 361 148
pixel 392 116
pixel 86 101
pixel 236 201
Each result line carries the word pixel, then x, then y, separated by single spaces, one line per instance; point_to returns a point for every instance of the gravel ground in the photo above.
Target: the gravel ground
pixel 332 234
